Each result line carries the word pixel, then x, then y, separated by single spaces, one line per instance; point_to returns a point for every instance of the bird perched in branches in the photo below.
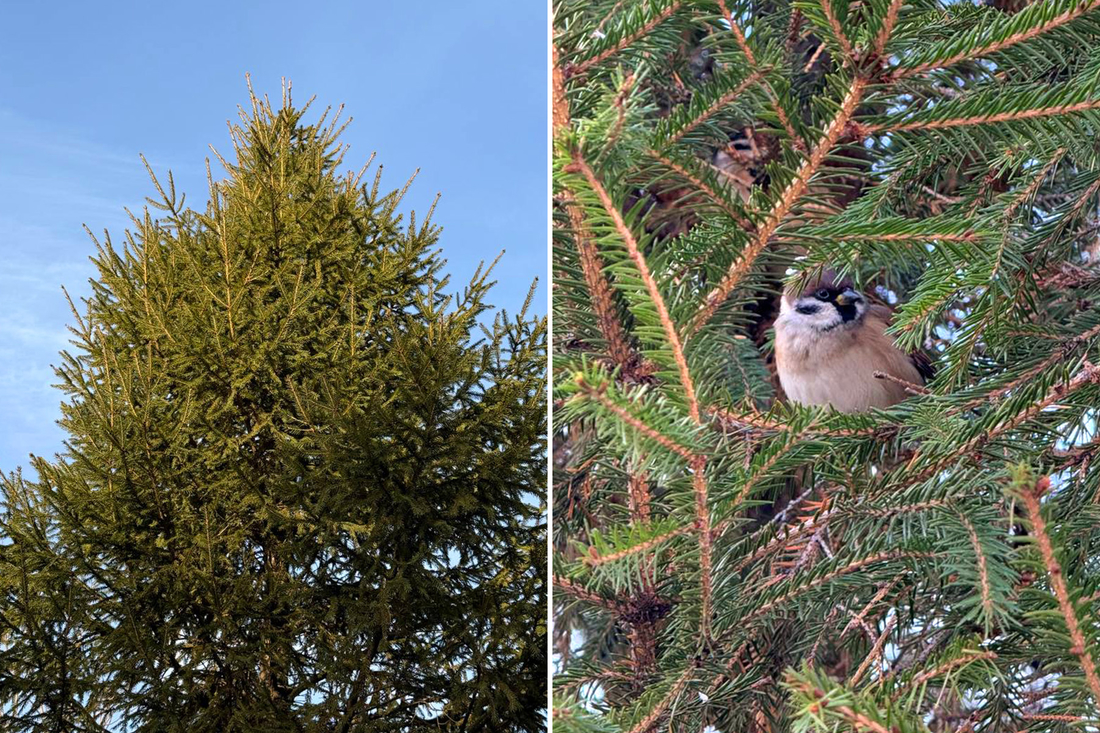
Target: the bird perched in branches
pixel 829 344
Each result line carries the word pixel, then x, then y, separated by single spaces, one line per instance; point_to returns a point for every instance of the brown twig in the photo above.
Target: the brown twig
pixel 1030 499
pixel 620 108
pixel 852 567
pixel 599 290
pixel 1026 114
pixel 875 653
pixel 780 541
pixel 738 34
pixel 838 32
pixel 583 594
pixel 931 674
pixel 813 59
pixel 858 618
pixel 983 569
pixel 638 488
pixel 702 523
pixel 560 105
pixel 913 389
pixel 887 28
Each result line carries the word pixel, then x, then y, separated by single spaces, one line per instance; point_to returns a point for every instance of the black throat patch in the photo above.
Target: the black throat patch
pixel 847 312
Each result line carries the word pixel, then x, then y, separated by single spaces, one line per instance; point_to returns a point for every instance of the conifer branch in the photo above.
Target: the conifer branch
pixel 762 472
pixel 856 720
pixel 702 524
pixel 909 237
pixel 1030 499
pixel 583 594
pixel 746 421
pixel 662 705
pixel 859 618
pixel 719 104
pixel 852 567
pixel 796 140
pixel 1059 354
pixel 620 112
pixel 1014 116
pixel 1080 454
pixel 1089 374
pixel 738 34
pixel 791 194
pixel 713 195
pixel 750 57
pixel 779 543
pixel 1029 190
pixel 1053 718
pixel 942 669
pixel 603 301
pixel 610 14
pixel 838 33
pixel 994 47
pixel 758 423
pixel 638 488
pixel 591 263
pixel 893 511
pixel 1009 213
pixel 600 395
pixel 560 105
pixel 650 283
pixel 1078 204
pixel 593 559
pixel 813 59
pixel 876 651
pixel 883 35
pixel 628 40
pixel 983 566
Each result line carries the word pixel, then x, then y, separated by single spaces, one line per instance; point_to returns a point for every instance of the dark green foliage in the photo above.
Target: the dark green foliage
pixel 727 559
pixel 302 488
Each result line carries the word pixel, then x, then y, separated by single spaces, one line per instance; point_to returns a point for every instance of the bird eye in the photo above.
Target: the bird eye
pixel 822 294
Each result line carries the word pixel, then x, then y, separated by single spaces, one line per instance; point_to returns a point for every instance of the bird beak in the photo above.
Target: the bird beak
pixel 847 297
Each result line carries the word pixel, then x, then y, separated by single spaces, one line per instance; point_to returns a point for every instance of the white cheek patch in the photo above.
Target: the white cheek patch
pixel 825 317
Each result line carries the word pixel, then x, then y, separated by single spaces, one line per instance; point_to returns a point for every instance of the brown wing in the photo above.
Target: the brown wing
pixel 921 360
pixel 924 364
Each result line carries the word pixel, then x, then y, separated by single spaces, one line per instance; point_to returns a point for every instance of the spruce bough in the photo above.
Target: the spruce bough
pixel 727 561
pixel 302 487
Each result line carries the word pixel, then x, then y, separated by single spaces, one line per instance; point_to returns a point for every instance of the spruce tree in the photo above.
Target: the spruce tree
pixel 302 487
pixel 728 561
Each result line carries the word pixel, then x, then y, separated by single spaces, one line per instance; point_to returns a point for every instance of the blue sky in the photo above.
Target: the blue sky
pixel 456 89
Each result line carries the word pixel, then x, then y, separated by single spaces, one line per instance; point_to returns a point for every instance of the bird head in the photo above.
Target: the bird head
pixel 822 305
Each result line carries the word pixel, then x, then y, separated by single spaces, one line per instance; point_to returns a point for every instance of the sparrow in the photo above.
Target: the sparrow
pixel 830 341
